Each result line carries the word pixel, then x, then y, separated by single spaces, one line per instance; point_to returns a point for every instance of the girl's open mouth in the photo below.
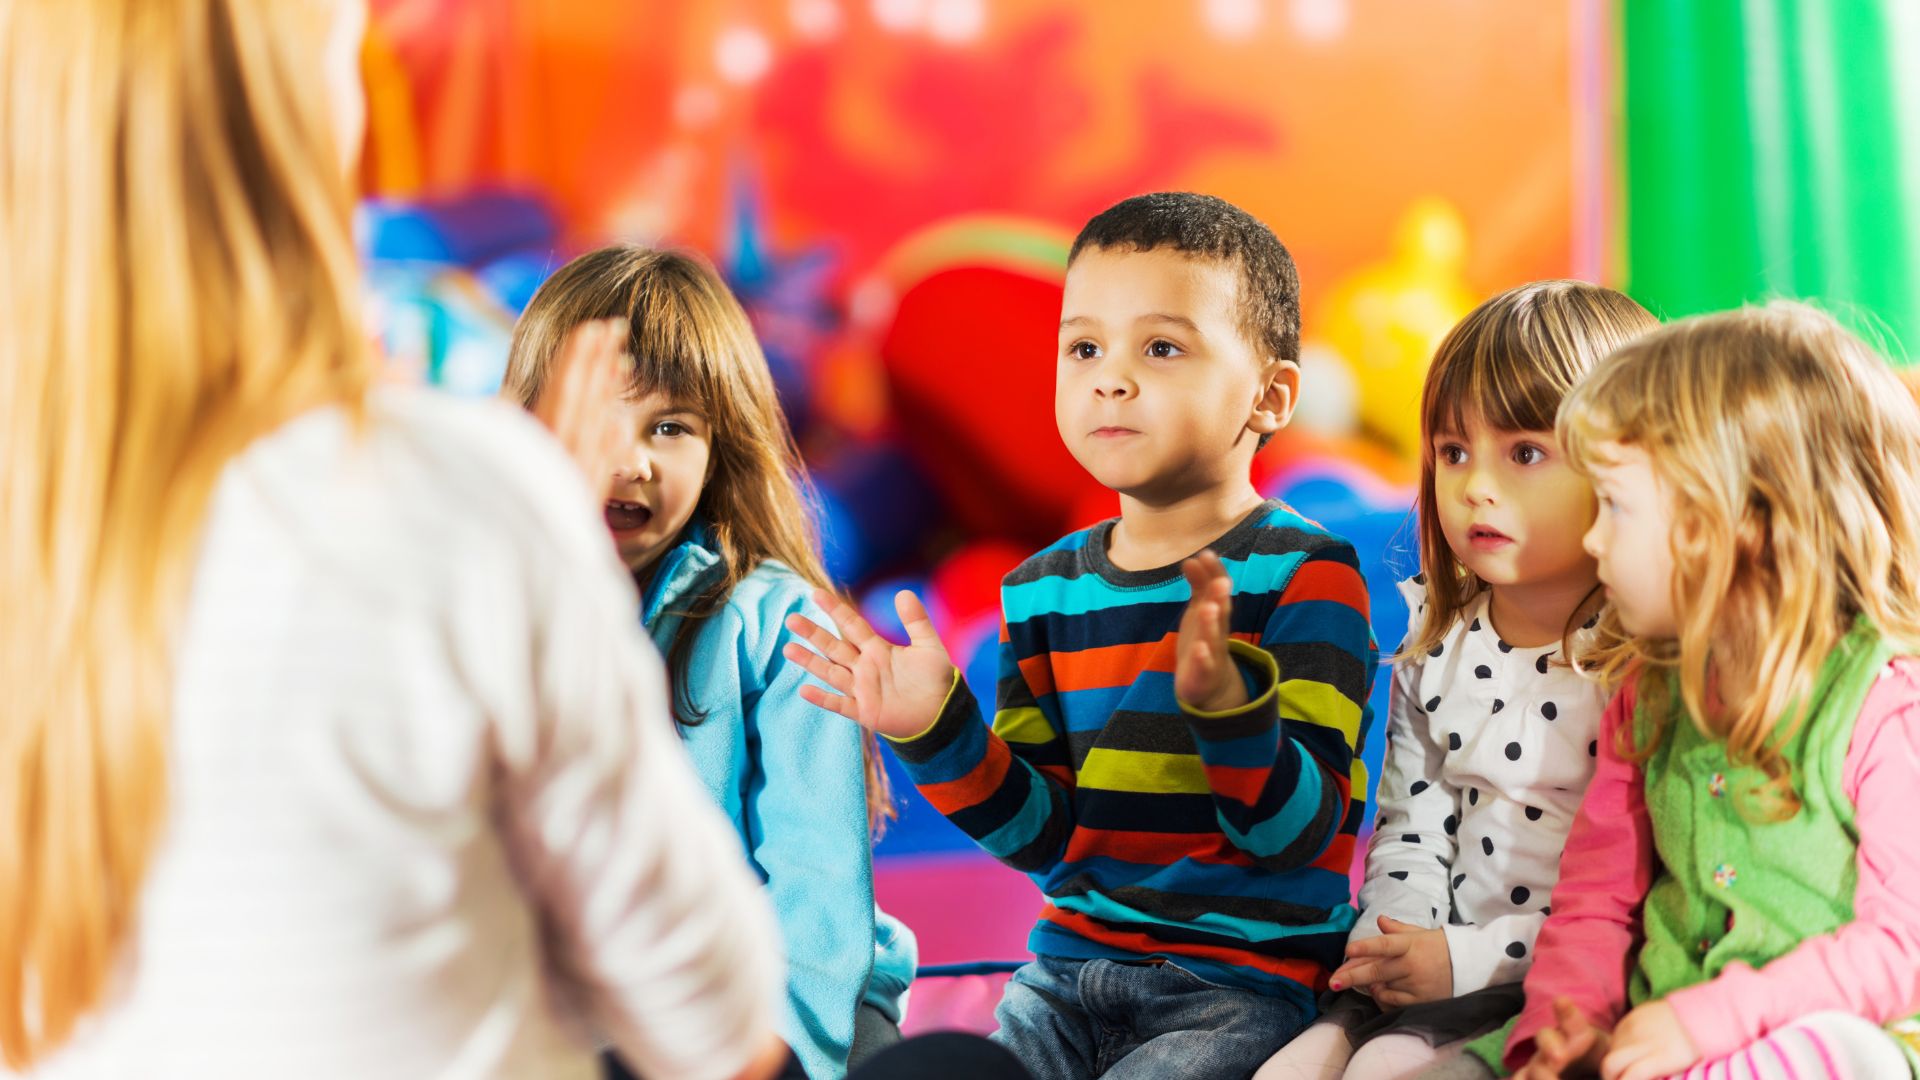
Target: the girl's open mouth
pixel 1487 539
pixel 623 516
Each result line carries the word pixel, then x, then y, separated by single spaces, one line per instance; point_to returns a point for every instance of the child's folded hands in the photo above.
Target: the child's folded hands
pixel 1405 965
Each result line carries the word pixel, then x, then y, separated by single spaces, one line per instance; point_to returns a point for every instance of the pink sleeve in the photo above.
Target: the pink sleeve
pixel 1871 966
pixel 1587 945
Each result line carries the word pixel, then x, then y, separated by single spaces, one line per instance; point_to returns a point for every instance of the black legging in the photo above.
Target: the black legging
pixel 943 1055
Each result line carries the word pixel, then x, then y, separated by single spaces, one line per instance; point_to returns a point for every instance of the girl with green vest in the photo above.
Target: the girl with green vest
pixel 1738 894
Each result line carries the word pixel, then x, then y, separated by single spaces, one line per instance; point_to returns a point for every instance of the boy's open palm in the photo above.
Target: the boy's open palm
pixel 1204 674
pixel 892 690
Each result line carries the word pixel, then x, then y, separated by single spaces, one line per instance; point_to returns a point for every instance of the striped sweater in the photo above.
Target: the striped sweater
pixel 1219 841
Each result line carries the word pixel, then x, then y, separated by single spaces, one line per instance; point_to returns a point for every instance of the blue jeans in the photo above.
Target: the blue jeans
pixel 1075 1019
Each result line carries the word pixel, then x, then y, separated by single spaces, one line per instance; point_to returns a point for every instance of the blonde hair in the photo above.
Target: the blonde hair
pixel 1791 454
pixel 179 279
pixel 692 342
pixel 1509 364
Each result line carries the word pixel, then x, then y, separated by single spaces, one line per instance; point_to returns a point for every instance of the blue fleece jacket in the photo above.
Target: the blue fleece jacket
pixel 790 777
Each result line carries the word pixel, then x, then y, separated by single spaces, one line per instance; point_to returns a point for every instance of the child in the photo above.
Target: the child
pixel 1489 722
pixel 707 514
pixel 1190 819
pixel 1747 845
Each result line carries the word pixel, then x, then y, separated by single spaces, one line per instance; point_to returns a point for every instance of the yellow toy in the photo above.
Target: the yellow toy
pixel 1386 318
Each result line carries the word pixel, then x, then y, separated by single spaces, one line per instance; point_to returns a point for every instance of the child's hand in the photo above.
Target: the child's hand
pixel 1574 1046
pixel 1404 966
pixel 580 402
pixel 1204 674
pixel 1649 1043
pixel 890 689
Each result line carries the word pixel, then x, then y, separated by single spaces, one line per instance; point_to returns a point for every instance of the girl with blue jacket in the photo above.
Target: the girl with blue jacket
pixel 706 510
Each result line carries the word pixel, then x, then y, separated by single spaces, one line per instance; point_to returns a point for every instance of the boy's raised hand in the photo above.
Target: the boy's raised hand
pixel 1405 965
pixel 892 690
pixel 580 401
pixel 1204 674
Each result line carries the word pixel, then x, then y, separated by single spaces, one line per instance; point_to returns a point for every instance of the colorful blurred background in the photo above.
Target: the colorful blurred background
pixel 891 187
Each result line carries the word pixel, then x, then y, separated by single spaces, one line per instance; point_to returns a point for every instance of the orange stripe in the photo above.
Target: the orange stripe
pixel 1328 581
pixel 1107 666
pixel 1039 676
pixel 1237 782
pixel 1155 848
pixel 1339 855
pixel 1110 665
pixel 952 796
pixel 1305 972
pixel 1212 849
pixel 1059 774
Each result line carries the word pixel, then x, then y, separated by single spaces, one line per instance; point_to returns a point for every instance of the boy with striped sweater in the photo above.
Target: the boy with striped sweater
pixel 1174 753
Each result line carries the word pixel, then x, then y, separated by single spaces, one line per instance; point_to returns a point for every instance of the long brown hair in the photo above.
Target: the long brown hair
pixel 179 278
pixel 1791 453
pixel 1509 364
pixel 692 342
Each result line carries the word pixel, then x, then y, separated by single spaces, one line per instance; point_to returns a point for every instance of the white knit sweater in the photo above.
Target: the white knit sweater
pixel 429 814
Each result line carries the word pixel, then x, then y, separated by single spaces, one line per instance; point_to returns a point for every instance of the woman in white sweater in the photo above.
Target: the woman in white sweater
pixel 331 746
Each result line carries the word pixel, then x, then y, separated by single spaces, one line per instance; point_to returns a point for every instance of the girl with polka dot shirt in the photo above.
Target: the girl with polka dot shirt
pixel 1491 726
pixel 1740 893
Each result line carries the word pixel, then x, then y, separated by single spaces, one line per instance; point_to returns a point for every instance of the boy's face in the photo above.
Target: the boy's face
pixel 1158 392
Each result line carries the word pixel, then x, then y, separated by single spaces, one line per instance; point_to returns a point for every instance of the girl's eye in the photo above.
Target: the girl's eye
pixel 1163 349
pixel 1453 454
pixel 1083 350
pixel 1528 454
pixel 671 429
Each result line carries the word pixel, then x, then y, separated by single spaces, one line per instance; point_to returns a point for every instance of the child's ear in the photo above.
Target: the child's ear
pixel 1278 395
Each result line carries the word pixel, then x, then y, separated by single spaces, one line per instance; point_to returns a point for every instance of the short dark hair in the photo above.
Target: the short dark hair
pixel 1212 227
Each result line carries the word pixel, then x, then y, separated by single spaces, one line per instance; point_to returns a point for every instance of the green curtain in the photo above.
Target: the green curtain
pixel 1772 148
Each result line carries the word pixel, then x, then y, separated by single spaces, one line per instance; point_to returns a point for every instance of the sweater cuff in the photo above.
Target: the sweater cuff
pixel 1260 713
pixel 1468 953
pixel 958 710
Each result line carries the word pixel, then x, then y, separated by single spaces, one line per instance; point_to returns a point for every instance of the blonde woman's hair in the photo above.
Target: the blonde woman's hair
pixel 1791 454
pixel 178 279
pixel 1509 364
pixel 692 341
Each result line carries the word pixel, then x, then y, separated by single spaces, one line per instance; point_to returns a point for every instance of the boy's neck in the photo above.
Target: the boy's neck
pixel 1152 534
pixel 1529 616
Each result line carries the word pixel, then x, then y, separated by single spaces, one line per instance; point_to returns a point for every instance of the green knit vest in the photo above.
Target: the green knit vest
pixel 1733 882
